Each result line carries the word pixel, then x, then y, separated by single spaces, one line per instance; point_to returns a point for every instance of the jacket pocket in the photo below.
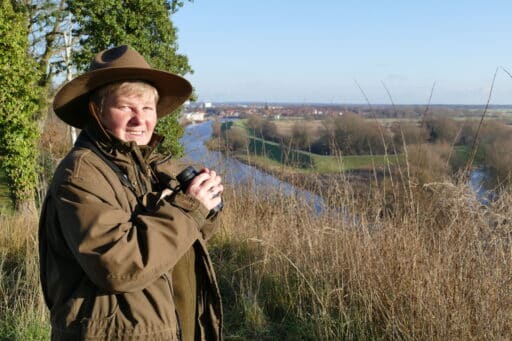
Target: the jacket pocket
pixel 147 314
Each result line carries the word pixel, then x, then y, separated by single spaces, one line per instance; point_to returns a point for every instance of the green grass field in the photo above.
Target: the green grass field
pixel 323 164
pixel 333 164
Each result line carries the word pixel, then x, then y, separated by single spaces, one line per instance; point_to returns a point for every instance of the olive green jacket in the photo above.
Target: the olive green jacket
pixel 107 251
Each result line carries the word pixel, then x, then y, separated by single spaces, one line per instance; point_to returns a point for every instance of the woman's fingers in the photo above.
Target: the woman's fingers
pixel 206 187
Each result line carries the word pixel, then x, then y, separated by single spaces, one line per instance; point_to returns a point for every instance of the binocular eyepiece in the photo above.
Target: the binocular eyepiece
pixel 185 177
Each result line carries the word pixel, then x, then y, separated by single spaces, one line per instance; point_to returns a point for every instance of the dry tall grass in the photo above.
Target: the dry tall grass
pixel 23 315
pixel 434 266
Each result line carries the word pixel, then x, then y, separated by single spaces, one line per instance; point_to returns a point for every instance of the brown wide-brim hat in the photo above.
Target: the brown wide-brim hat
pixel 122 63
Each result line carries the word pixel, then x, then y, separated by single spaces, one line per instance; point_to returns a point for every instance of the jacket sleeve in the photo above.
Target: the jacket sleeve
pixel 122 251
pixel 166 172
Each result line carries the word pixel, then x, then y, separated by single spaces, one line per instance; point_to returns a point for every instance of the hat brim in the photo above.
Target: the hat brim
pixel 71 103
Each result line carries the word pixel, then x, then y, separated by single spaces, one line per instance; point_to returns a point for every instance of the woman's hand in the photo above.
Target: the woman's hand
pixel 207 188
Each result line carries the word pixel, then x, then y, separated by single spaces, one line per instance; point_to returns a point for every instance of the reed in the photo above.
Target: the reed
pixel 400 259
pixel 23 315
pixel 437 265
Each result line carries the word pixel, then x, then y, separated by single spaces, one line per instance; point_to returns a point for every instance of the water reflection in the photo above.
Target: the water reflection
pixel 477 180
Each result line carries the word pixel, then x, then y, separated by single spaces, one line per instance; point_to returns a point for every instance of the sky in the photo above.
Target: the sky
pixel 339 51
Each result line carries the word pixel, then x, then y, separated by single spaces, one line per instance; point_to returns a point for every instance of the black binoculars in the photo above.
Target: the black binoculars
pixel 185 177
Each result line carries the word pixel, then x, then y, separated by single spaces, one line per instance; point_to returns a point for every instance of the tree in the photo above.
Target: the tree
pixel 20 103
pixel 143 24
pixel 58 26
pixel 301 137
pixel 50 24
pixel 237 138
pixel 255 124
pixel 47 21
pixel 442 129
pixel 408 133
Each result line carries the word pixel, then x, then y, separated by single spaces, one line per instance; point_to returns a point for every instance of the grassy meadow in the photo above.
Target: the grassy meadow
pixel 413 255
pixel 400 259
pixel 431 263
pixel 321 163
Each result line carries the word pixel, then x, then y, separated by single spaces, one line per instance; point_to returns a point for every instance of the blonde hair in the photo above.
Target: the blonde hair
pixel 139 88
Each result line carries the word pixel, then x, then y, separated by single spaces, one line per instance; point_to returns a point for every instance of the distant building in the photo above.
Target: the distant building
pixel 197 116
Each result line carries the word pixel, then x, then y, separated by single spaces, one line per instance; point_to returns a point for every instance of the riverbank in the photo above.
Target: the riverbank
pixel 325 170
pixel 389 187
pixel 362 172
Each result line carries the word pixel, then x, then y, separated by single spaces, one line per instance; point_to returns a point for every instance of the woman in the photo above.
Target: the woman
pixel 122 250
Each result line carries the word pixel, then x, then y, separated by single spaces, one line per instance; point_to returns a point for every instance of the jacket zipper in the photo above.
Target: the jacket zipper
pixel 169 282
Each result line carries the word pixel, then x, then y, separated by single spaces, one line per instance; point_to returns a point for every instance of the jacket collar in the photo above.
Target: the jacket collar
pixel 111 145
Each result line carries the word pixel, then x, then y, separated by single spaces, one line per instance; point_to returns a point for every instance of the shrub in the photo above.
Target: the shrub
pixel 21 100
pixel 237 139
pixel 351 134
pixel 301 138
pixel 496 141
pixel 429 162
pixel 442 129
pixel 412 133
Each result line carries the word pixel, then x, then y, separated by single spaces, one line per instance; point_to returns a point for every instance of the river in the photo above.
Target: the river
pixel 236 172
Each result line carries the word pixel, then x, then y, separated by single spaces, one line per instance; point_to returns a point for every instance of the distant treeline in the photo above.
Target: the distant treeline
pixel 351 134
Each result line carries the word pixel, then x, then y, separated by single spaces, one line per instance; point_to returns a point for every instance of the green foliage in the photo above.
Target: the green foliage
pixel 143 24
pixel 226 126
pixel 23 325
pixel 172 131
pixel 20 103
pixel 5 201
pixel 51 26
pixel 48 20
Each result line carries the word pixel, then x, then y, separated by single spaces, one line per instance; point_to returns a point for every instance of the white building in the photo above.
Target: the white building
pixel 197 116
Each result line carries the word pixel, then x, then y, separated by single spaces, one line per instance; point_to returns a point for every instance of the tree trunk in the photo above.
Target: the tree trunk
pixel 27 206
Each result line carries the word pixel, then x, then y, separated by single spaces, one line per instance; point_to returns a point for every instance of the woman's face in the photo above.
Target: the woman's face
pixel 130 116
